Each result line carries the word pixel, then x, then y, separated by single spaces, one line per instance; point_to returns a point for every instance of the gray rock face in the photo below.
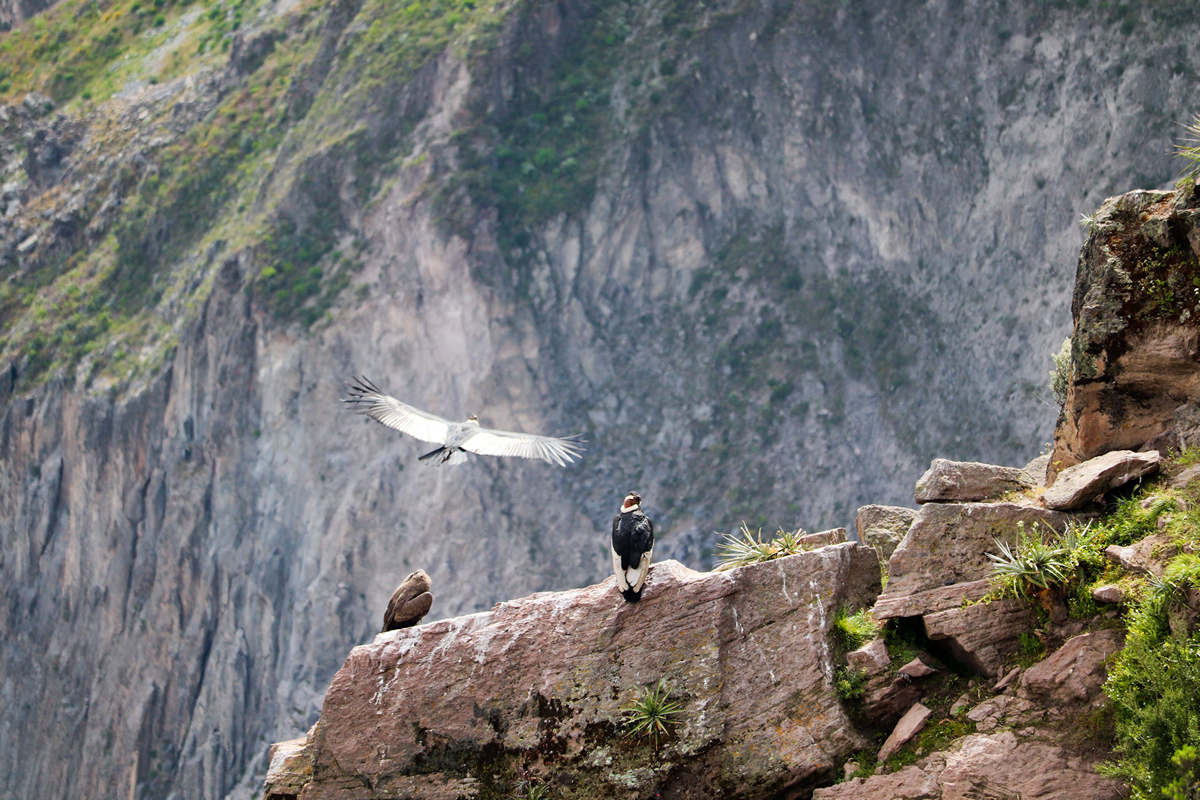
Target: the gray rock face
pixel 967 481
pixel 190 541
pixel 882 527
pixel 539 686
pixel 1078 485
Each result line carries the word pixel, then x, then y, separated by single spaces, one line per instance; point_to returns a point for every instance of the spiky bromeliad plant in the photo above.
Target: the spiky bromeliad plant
pixel 1035 564
pixel 651 714
pixel 742 548
pixel 1190 148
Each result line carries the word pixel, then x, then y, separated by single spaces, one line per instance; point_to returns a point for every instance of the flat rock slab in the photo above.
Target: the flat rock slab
pixel 1079 485
pixel 948 543
pixel 883 527
pixel 909 726
pixel 966 481
pixel 984 635
pixel 997 766
pixel 538 687
pixel 940 599
pixel 811 541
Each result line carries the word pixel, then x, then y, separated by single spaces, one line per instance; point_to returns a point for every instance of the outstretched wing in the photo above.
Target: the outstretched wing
pixel 556 450
pixel 366 398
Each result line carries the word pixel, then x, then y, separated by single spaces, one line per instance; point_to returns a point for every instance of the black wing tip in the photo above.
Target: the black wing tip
pixel 357 388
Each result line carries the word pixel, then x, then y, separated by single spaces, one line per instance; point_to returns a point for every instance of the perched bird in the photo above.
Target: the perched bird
pixel 409 602
pixel 632 541
pixel 456 439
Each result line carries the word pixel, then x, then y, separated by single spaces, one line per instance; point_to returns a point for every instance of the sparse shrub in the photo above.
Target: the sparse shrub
pixel 852 631
pixel 532 790
pixel 651 714
pixel 1154 685
pixel 1060 376
pixel 849 683
pixel 742 548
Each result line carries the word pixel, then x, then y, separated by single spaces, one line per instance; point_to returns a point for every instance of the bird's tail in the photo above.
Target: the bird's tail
pixel 431 454
pixel 631 595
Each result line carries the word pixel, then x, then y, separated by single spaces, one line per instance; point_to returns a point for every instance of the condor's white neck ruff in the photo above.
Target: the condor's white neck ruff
pixel 626 509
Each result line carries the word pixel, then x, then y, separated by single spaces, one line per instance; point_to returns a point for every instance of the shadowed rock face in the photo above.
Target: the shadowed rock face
pixel 537 687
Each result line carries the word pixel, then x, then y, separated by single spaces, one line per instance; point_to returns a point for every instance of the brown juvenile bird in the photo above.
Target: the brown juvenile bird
pixel 409 602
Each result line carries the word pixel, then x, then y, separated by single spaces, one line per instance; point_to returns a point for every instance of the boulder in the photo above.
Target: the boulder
pixel 930 600
pixel 1038 469
pixel 872 658
pixel 1079 485
pixel 811 541
pixel 997 766
pixel 1136 339
pixel 1185 477
pixel 1108 593
pixel 882 527
pixel 965 481
pixel 539 689
pixel 983 636
pixel 1074 673
pixel 1148 556
pixel 917 668
pixel 887 697
pixel 909 726
pixel 948 544
pixel 289 770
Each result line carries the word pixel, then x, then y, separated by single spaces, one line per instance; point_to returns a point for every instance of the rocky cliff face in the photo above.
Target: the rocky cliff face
pixel 1135 348
pixel 537 692
pixel 745 269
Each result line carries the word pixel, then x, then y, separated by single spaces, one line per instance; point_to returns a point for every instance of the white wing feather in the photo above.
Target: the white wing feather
pixel 556 450
pixel 369 400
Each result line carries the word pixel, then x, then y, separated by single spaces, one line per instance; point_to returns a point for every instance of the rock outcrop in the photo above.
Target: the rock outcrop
pixel 968 481
pixel 537 690
pixel 1038 757
pixel 1080 484
pixel 882 527
pixel 948 544
pixel 1135 351
pixel 1003 765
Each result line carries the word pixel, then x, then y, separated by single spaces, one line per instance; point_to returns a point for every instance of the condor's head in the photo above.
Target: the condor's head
pixel 632 502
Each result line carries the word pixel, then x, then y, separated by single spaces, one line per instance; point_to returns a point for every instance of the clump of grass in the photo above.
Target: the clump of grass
pixel 531 790
pixel 852 631
pixel 742 548
pixel 651 715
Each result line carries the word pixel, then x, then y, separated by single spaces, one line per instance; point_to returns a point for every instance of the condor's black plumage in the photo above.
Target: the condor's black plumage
pixel 632 543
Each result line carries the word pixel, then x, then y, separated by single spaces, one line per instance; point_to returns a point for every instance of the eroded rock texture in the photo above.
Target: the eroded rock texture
pixel 1135 353
pixel 536 689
